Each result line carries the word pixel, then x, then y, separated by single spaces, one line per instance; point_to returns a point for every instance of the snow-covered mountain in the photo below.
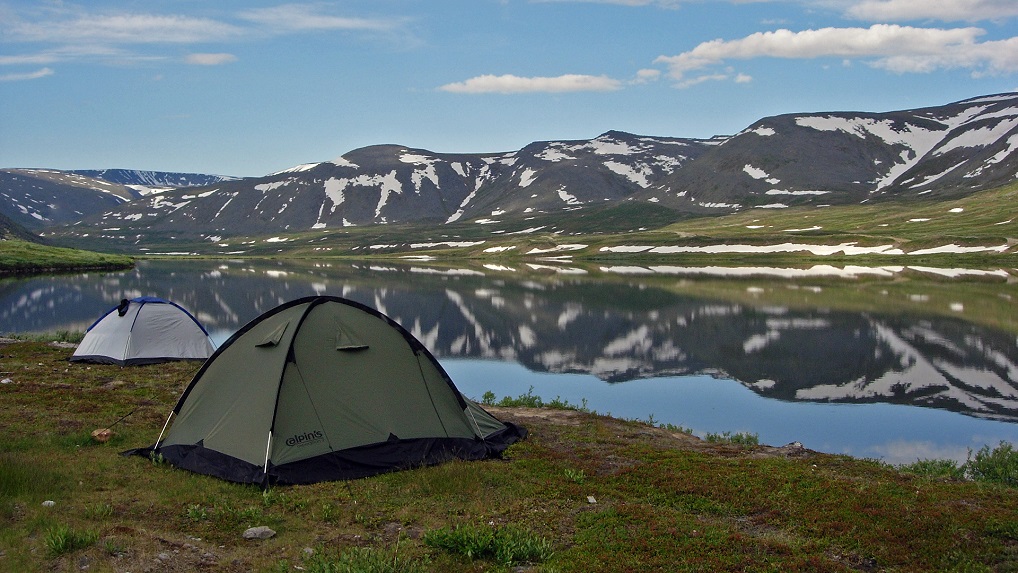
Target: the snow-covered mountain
pixel 38 198
pixel 393 184
pixel 837 158
pixel 148 182
pixel 794 159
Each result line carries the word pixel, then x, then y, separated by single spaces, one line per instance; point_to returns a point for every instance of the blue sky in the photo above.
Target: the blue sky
pixel 248 88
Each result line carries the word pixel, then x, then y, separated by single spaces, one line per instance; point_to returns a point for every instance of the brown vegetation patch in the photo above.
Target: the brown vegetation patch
pixel 535 418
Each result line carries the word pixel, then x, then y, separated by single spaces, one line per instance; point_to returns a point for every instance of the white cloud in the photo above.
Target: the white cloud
pixel 702 79
pixel 26 76
pixel 296 17
pixel 507 84
pixel 76 33
pixel 118 28
pixel 210 59
pixel 987 58
pixel 26 59
pixel 646 76
pixel 892 47
pixel 945 10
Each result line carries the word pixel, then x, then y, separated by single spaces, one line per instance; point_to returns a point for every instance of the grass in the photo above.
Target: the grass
pixel 507 546
pixel 18 257
pixel 663 500
pixel 62 539
pixel 356 560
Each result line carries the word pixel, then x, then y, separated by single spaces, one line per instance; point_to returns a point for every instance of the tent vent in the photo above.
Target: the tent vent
pixel 274 337
pixel 347 341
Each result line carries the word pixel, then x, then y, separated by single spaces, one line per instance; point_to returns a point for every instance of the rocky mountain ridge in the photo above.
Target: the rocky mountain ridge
pixel 789 160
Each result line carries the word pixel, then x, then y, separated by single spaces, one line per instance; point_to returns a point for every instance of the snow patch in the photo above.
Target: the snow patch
pixel 296 169
pixel 845 248
pixel 567 198
pixel 755 172
pixel 266 187
pixel 527 177
pixel 931 178
pixel 342 162
pixel 956 249
pixel 334 191
pixel 798 192
pixel 557 248
pixel 978 137
pixel 636 174
pixel 554 155
pixel 453 244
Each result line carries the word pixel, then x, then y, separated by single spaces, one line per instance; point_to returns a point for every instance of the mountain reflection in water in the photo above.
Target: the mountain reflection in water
pixel 813 337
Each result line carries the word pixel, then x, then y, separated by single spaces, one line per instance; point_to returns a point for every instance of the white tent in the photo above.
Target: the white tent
pixel 144 330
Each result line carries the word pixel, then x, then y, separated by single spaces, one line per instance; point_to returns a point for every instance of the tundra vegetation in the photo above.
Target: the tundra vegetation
pixel 584 492
pixel 981 220
pixel 18 256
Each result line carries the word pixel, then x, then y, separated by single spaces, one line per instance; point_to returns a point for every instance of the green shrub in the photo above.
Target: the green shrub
pixel 531 400
pixel 999 465
pixel 937 469
pixel 996 465
pixel 675 428
pixel 505 545
pixel 739 438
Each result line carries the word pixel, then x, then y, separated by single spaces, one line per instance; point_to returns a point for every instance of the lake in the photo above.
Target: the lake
pixel 895 363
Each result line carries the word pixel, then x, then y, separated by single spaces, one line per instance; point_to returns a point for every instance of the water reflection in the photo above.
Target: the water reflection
pixel 946 346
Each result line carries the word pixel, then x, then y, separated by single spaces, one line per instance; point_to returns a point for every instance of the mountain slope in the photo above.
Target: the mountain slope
pixel 11 230
pixel 837 158
pixel 37 198
pixel 840 158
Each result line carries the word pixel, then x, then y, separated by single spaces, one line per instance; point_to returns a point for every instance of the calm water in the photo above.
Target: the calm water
pixel 892 363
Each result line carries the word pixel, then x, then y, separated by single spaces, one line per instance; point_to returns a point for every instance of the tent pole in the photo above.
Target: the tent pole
pixel 477 428
pixel 268 445
pixel 160 438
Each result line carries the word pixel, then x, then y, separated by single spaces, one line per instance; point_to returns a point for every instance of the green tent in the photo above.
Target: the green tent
pixel 324 388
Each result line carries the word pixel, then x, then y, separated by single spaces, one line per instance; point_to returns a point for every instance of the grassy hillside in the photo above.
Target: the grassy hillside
pixel 982 219
pixel 18 256
pixel 582 493
pixel 988 217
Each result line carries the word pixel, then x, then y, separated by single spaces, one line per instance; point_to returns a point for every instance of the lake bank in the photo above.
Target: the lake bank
pixel 21 257
pixel 607 494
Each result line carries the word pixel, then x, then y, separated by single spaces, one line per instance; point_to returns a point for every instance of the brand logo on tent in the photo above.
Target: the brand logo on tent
pixel 305 439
